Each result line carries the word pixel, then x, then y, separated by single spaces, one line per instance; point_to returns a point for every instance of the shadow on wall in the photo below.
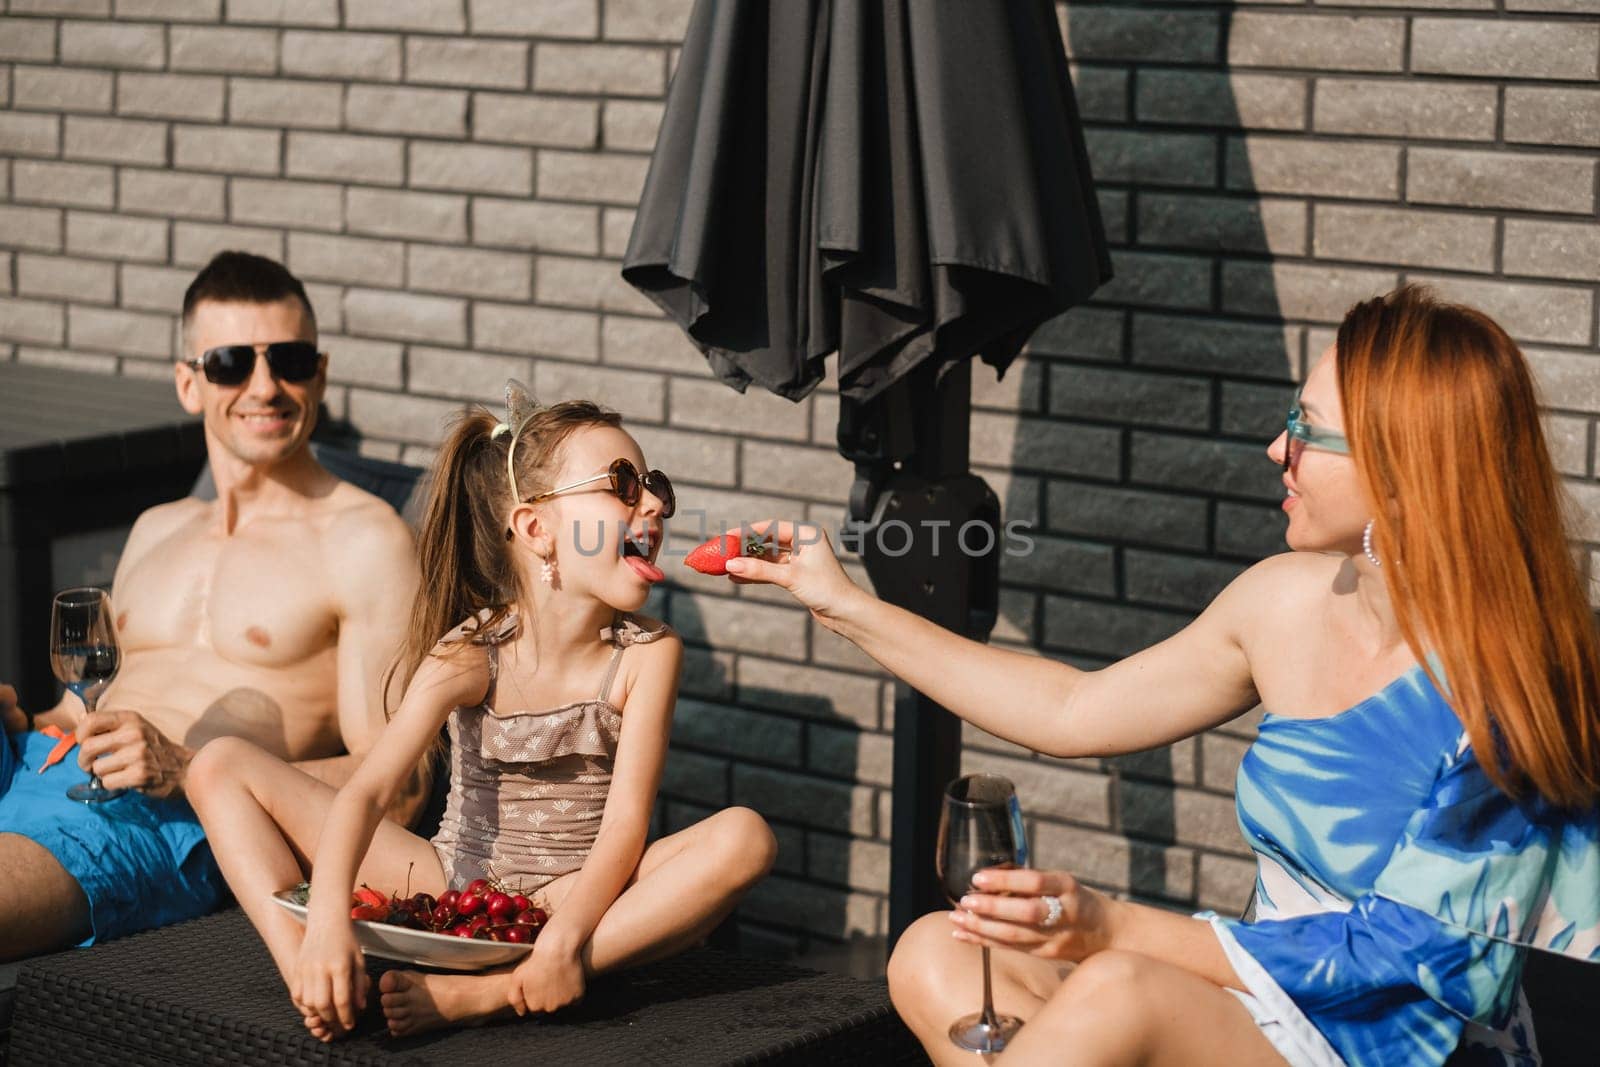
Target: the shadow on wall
pixel 1139 454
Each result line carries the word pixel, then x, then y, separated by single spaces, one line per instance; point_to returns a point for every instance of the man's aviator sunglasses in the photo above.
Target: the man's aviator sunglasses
pixel 291 361
pixel 1302 435
pixel 626 483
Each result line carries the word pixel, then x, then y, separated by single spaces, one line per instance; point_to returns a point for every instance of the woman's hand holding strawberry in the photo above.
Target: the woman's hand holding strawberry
pixel 799 558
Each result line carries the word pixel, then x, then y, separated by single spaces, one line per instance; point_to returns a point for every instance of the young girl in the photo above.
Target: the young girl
pixel 559 702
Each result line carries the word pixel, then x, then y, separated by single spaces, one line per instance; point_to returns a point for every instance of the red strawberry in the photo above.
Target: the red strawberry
pixel 713 556
pixel 367 895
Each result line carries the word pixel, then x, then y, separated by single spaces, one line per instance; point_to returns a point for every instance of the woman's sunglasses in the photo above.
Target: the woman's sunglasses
pixel 291 361
pixel 627 484
pixel 1302 435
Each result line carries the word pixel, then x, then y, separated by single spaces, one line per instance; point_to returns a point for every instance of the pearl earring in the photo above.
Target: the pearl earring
pixel 547 573
pixel 1366 544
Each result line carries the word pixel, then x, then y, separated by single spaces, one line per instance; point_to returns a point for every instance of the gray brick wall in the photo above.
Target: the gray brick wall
pixel 455 178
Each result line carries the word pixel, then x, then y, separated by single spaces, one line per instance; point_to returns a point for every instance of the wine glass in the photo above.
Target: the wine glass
pixel 85 656
pixel 980 826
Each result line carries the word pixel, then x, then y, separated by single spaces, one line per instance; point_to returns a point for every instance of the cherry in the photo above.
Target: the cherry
pixel 531 917
pixel 520 903
pixel 460 930
pixel 423 903
pixel 498 907
pixel 443 915
pixel 478 887
pixel 448 898
pixel 468 903
pixel 517 935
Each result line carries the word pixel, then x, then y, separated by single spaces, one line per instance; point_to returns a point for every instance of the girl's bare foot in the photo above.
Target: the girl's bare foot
pixel 414 1003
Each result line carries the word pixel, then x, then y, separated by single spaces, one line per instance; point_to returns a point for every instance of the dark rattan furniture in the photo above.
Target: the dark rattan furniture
pixel 205 992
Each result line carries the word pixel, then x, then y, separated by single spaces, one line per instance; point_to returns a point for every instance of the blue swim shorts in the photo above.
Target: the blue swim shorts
pixel 141 861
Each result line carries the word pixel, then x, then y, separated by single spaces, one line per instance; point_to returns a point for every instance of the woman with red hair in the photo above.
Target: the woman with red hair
pixel 1422 794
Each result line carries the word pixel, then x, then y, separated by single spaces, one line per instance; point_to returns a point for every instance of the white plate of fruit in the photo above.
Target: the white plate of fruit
pixel 463 930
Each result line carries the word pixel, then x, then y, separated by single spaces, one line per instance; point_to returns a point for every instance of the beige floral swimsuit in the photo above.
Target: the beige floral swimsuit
pixel 527 788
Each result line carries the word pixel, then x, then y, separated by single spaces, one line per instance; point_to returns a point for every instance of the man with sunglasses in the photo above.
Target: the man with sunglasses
pixel 269 614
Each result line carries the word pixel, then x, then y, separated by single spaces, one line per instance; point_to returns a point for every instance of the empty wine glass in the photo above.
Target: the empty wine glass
pixel 980 826
pixel 85 656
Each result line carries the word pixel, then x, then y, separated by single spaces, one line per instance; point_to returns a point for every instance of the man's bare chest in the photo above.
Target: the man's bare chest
pixel 256 597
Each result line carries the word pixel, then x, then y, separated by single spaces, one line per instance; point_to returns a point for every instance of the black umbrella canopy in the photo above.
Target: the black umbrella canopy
pixel 900 181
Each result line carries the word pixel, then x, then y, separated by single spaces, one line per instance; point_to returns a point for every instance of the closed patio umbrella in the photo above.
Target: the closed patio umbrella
pixel 905 183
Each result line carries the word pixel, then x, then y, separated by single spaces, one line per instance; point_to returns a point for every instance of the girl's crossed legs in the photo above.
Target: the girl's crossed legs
pixel 1113 1008
pixel 264 819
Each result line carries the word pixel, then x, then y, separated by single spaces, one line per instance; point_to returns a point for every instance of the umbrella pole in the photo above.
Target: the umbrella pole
pixel 910 447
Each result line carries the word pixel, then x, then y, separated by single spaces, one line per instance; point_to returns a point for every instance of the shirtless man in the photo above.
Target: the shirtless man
pixel 270 614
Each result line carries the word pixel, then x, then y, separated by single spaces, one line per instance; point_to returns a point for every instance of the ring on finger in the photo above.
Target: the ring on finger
pixel 1053 912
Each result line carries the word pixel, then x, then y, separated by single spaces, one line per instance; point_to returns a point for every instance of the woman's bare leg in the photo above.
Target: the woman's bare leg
pixel 686 883
pixel 1114 1008
pixel 263 819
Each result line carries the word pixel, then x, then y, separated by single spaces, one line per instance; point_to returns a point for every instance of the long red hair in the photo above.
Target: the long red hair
pixel 1444 426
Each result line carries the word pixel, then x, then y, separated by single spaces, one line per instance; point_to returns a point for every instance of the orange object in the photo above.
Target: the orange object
pixel 64 744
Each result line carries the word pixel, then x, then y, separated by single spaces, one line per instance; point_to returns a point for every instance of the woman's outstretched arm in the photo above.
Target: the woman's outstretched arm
pixel 1195 679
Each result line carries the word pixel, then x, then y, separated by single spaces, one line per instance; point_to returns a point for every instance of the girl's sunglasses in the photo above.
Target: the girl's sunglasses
pixel 626 483
pixel 291 361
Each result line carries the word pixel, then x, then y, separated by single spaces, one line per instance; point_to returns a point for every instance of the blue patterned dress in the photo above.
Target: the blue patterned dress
pixel 1398 891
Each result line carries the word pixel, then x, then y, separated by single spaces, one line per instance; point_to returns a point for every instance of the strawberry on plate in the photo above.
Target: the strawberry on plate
pixel 713 556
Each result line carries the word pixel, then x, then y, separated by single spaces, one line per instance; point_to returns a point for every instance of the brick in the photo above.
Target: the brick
pixel 66 279
pixel 31 227
pixel 27 39
pixel 431 112
pixel 703 457
pixel 1114 862
pixel 1053 789
pixel 536 120
pixel 1021 390
pixel 158 192
pixel 311 205
pixel 363 56
pixel 285 12
pixel 1586 510
pixel 603 176
pixel 1041 445
pixel 1135 396
pixel 1220 757
pixel 635 395
pixel 409 418
pixel 1547 115
pixel 428 16
pixel 740 625
pixel 647 20
pixel 1211 98
pixel 1186 815
pixel 357 260
pixel 467 272
pixel 632 125
pixel 1055 563
pixel 1299 291
pixel 487 64
pixel 72 184
pixel 469 375
pixel 652 343
pixel 1568 7
pixel 848 861
pixel 1549 313
pixel 30 135
pixel 170 96
pixel 608 70
pixel 1316 42
pixel 713 406
pixel 1102 93
pixel 60 88
pixel 821 912
pixel 1128 515
pixel 36 321
pixel 359 361
pixel 153 288
pixel 1083 333
pixel 536 331
pixel 171 10
pixel 472 168
pixel 1567 380
pixel 278 102
pixel 697 777
pixel 1454 240
pixel 406 316
pixel 1225 883
pixel 428 216
pixel 1506 48
pixel 1501 179
pixel 1248 532
pixel 123 332
pixel 592 283
pixel 231 151
pixel 112 237
pixel 115 140
pixel 225 49
pixel 346 157
pixel 804 799
pixel 1105 33
pixel 1254 411
pixel 808 691
pixel 1317 168
pixel 1158 279
pixel 819 473
pixel 1215 223
pixel 1454 111
pixel 113 44
pixel 194 243
pixel 1220 467
pixel 535 225
pixel 1184 582
pixel 548 18
pixel 1568 441
pixel 735 732
pixel 1182 159
pixel 62 7
pixel 92 364
pixel 850 754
